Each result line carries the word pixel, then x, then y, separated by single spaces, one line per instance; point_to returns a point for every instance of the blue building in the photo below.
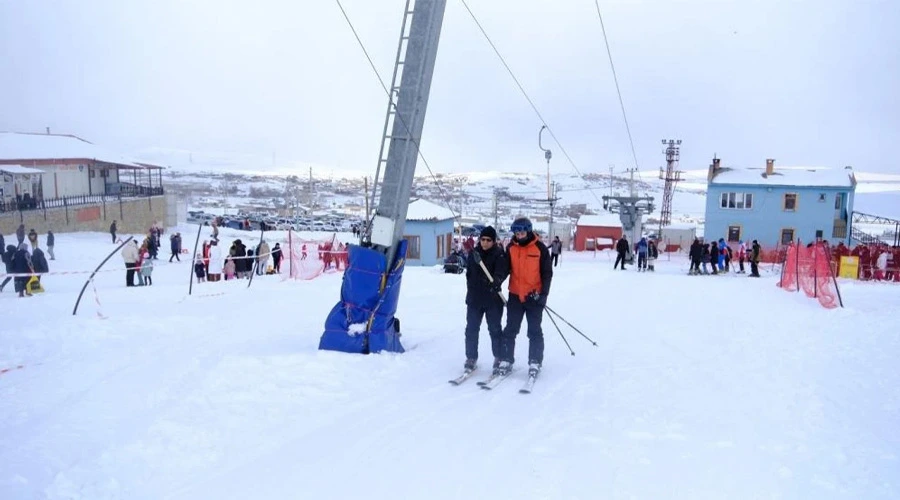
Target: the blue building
pixel 778 206
pixel 429 231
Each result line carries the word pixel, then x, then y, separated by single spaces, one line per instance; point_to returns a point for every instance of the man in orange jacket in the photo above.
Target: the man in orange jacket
pixel 530 273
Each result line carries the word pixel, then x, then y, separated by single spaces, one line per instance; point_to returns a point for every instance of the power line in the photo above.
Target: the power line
pixel 618 90
pixel 397 114
pixel 527 98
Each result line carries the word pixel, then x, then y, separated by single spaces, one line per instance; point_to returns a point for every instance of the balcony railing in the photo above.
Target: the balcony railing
pixel 124 191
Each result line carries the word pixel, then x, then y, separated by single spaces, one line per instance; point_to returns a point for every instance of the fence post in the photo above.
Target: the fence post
pixel 66 206
pixel 121 211
pixel 816 270
pixel 797 263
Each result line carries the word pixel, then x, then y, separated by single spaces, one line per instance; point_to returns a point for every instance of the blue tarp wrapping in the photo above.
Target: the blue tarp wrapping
pixel 348 328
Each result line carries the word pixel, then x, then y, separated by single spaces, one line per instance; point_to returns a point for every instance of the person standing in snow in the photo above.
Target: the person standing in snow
pixel 199 268
pixel 742 255
pixel 754 260
pixel 652 254
pixel 51 240
pixel 642 248
pixel 175 244
pixel 130 256
pixel 621 251
pixel 20 234
pixel 146 272
pixel 483 295
pixel 262 257
pixel 112 231
pixel 530 273
pixel 22 266
pixel 7 258
pixel 696 254
pixel 555 250
pixel 714 256
pixel 276 258
pixel 33 239
pixel 214 266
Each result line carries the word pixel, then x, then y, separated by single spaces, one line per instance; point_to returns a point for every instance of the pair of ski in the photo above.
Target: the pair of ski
pixel 494 380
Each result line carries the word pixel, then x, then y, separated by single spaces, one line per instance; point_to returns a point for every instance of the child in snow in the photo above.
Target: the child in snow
pixel 199 268
pixel 229 269
pixel 147 269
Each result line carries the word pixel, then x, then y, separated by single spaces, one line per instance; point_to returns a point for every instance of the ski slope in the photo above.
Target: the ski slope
pixel 700 387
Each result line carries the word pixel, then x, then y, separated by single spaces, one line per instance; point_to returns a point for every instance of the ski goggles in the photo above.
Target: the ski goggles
pixel 516 228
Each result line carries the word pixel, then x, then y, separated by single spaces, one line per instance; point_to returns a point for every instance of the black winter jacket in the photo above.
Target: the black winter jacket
pixel 478 287
pixel 622 246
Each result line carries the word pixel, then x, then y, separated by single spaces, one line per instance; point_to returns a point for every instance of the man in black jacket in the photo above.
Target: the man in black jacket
pixel 696 255
pixel 621 251
pixel 483 299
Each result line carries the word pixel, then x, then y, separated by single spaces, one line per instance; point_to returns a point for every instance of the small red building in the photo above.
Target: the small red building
pixel 597 232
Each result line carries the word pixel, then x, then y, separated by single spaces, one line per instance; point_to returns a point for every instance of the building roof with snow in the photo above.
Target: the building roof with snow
pixel 25 148
pixel 602 220
pixel 19 169
pixel 422 210
pixel 785 176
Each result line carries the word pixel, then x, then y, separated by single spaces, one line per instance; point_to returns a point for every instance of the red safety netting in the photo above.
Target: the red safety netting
pixel 809 268
pixel 307 259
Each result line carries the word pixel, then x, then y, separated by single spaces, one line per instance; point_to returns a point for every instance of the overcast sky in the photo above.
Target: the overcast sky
pixel 805 82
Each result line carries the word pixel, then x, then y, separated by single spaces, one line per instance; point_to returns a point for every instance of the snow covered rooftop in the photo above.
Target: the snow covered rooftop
pixel 19 169
pixel 24 147
pixel 603 220
pixel 422 210
pixel 786 176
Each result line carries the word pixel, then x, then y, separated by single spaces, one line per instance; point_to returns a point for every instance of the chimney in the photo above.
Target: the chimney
pixel 770 167
pixel 713 168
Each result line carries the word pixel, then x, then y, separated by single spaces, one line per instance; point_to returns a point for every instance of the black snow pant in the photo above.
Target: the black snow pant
pixel 174 256
pixel 642 260
pixel 493 313
pixel 533 313
pixel 555 259
pixel 129 273
pixel 620 257
pixel 695 265
pixel 754 268
pixel 113 236
pixel 741 264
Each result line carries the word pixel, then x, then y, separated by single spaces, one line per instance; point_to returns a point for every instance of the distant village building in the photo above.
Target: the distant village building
pixel 677 236
pixel 68 184
pixel 429 231
pixel 597 232
pixel 776 207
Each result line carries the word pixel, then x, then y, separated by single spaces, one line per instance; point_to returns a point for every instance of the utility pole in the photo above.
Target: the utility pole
pixel 496 209
pixel 551 199
pixel 611 167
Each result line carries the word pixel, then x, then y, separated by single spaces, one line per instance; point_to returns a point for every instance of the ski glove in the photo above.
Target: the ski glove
pixel 496 287
pixel 537 298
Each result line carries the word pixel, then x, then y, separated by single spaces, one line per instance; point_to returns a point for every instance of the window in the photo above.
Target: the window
pixel 790 202
pixel 838 201
pixel 821 197
pixel 439 246
pixel 414 250
pixel 787 236
pixel 819 234
pixel 93 173
pixel 734 233
pixel 739 201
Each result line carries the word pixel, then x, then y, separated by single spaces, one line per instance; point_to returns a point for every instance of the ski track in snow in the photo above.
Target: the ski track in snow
pixel 700 387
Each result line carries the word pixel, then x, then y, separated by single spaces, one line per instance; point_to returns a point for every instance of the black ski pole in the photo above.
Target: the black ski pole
pixel 551 311
pixel 560 332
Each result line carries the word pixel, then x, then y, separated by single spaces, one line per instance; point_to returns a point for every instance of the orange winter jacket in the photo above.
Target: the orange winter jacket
pixel 530 268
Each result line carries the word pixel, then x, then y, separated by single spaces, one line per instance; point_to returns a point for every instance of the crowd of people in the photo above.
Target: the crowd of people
pixel 26 261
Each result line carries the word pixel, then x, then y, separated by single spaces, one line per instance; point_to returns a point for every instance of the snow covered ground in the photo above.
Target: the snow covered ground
pixel 700 387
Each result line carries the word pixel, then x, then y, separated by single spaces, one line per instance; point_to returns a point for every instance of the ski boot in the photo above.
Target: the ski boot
pixel 534 369
pixel 470 365
pixel 504 368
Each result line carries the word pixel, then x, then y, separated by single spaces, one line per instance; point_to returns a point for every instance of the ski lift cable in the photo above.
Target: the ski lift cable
pixel 398 116
pixel 618 90
pixel 524 93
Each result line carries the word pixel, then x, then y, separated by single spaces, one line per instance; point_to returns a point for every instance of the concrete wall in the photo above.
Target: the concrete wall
pixel 134 216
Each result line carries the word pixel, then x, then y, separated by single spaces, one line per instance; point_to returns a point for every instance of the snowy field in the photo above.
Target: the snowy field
pixel 701 387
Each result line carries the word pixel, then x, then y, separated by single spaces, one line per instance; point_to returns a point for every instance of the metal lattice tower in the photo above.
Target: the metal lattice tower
pixel 414 64
pixel 671 175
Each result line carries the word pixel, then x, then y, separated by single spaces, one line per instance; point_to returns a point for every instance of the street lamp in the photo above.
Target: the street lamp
pixel 547 155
